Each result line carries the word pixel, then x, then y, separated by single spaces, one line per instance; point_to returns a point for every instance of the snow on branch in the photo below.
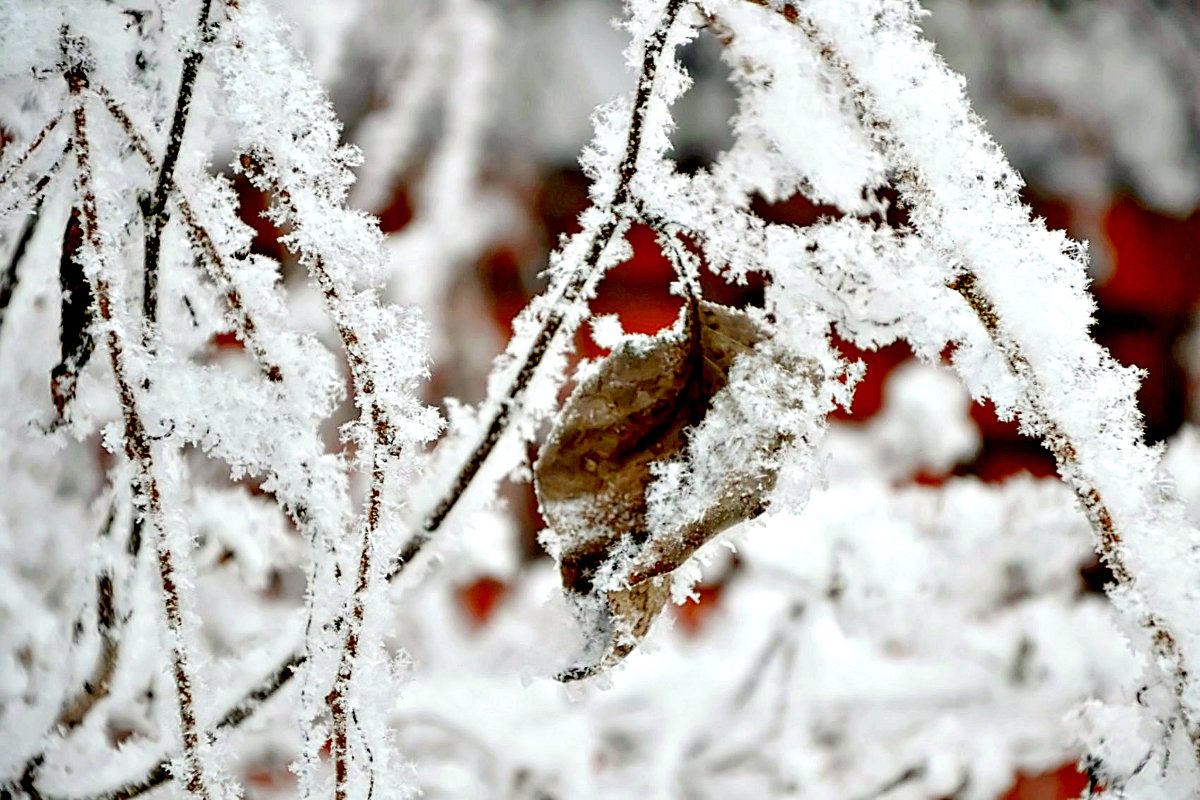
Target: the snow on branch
pixel 231 496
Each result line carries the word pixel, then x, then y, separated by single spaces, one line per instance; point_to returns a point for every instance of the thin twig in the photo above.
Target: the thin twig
pixel 95 687
pixel 37 192
pixel 34 144
pixel 161 773
pixel 908 775
pixel 156 214
pixel 571 292
pixel 8 280
pixel 338 697
pixel 147 495
pixel 215 263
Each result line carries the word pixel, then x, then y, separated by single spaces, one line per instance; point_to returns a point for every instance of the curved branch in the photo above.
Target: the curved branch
pixel 916 191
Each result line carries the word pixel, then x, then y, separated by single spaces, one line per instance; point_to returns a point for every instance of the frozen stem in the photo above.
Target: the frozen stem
pixel 28 152
pixel 617 214
pixel 216 264
pixel 146 487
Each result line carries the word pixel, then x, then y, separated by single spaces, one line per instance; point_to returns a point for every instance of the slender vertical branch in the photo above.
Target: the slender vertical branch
pixel 156 213
pixel 146 487
pixel 339 695
pixel 381 441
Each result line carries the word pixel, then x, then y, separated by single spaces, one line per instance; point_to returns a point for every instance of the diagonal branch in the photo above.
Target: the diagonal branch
pixel 586 274
pixel 37 192
pixel 28 152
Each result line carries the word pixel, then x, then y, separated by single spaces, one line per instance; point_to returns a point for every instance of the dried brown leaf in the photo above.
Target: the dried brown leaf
pixel 594 472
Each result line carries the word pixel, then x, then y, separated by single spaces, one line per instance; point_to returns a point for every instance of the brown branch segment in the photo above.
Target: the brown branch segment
pixel 146 490
pixel 28 152
pixel 338 697
pixel 156 213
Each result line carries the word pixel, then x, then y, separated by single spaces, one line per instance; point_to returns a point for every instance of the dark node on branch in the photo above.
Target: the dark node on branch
pixel 75 338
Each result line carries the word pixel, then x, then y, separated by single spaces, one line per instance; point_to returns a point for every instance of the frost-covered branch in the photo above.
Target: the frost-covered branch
pixel 148 499
pixel 872 636
pixel 156 208
pixel 215 261
pixel 30 149
pixel 963 203
pixel 558 315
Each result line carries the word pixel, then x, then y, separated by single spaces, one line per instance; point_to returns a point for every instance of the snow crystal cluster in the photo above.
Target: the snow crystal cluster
pixel 216 472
